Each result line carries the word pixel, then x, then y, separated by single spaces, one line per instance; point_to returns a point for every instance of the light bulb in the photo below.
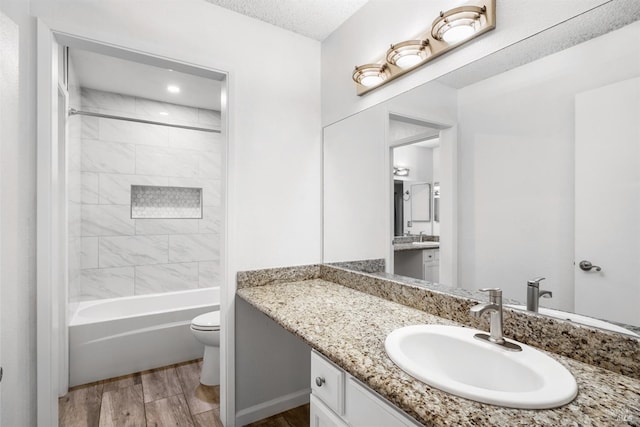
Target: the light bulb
pixel 408 61
pixel 458 33
pixel 371 80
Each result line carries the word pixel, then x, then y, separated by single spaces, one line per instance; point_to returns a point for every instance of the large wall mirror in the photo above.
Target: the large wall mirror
pixel 538 170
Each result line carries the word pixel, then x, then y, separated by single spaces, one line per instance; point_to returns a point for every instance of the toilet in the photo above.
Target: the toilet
pixel 206 329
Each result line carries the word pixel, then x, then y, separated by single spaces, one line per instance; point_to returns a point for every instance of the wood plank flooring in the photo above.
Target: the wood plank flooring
pixel 296 417
pixel 168 396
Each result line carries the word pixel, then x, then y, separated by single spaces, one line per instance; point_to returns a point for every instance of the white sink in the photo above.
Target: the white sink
pixel 451 359
pixel 578 318
pixel 427 243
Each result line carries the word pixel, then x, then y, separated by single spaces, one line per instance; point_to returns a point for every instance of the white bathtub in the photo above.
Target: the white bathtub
pixel 119 336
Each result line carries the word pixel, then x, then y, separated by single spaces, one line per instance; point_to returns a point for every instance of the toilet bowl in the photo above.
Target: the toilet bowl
pixel 206 329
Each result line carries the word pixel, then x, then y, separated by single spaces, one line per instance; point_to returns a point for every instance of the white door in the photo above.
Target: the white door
pixel 607 202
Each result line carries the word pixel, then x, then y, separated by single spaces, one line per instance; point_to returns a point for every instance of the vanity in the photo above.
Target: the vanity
pixel 340 399
pixel 345 317
pixel 420 260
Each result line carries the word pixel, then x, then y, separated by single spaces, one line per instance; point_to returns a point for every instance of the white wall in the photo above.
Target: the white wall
pixel 365 37
pixel 516 182
pixel 357 189
pixel 17 219
pixel 274 114
pixel 355 223
pixel 437 167
pixel 418 159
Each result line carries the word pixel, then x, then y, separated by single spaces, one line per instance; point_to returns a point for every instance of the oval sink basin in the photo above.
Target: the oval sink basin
pixel 451 359
pixel 578 318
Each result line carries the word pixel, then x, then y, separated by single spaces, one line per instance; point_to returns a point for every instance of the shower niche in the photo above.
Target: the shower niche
pixel 159 202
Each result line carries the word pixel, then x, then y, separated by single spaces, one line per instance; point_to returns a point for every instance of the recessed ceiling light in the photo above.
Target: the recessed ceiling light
pixel 164 113
pixel 173 89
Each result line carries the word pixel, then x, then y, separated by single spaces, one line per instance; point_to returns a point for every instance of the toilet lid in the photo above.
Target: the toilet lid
pixel 208 321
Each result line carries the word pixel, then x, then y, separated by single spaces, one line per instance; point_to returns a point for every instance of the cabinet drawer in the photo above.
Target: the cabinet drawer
pixel 321 416
pixel 429 255
pixel 327 382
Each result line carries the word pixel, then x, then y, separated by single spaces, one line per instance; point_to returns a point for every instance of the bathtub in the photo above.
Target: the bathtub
pixel 118 336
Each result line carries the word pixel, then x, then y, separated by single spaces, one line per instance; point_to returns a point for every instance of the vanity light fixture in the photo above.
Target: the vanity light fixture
pixel 409 53
pixel 448 31
pixel 369 75
pixel 458 24
pixel 400 171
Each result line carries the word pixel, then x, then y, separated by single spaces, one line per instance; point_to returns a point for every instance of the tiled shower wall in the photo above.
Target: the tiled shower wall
pixel 74 193
pixel 123 256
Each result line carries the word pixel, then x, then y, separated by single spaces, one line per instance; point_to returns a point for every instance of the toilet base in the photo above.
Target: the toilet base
pixel 210 374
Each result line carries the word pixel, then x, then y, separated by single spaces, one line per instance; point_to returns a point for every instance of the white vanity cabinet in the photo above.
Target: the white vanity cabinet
pixel 340 400
pixel 431 265
pixel 423 264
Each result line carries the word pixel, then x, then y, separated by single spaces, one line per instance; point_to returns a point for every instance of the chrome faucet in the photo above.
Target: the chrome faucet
pixel 494 307
pixel 534 294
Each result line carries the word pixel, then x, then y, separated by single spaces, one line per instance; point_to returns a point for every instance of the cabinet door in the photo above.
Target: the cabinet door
pixel 363 408
pixel 327 382
pixel 321 416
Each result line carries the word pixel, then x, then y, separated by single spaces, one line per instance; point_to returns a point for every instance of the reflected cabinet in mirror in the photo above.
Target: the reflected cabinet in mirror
pixel 535 170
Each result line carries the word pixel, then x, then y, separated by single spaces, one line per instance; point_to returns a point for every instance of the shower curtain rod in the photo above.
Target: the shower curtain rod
pixel 73 112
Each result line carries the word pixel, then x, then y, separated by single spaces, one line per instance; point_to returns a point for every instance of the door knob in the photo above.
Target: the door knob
pixel 587 266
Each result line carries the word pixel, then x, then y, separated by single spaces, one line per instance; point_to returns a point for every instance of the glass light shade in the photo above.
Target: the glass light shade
pixel 369 75
pixel 371 80
pixel 458 24
pixel 400 171
pixel 458 33
pixel 408 53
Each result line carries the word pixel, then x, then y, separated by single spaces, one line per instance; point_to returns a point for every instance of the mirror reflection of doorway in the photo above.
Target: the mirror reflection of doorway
pixel 416 167
pixel 398 208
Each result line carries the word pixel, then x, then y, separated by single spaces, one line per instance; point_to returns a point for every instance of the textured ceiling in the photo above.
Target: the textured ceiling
pixel 312 18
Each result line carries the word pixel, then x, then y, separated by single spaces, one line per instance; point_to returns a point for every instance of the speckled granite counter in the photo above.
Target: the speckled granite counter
pixel 349 327
pixel 414 246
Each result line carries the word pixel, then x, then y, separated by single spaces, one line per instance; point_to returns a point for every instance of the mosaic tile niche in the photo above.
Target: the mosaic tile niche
pixel 166 202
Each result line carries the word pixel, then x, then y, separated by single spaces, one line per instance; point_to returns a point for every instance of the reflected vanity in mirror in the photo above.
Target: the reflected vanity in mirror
pixel 416 245
pixel 537 171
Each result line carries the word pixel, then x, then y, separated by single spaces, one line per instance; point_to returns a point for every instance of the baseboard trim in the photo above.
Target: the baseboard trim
pixel 272 407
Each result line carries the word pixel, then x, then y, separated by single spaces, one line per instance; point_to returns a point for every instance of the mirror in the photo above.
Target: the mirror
pixel 539 171
pixel 420 193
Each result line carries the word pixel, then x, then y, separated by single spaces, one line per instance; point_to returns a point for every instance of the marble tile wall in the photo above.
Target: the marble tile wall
pixel 121 256
pixel 74 192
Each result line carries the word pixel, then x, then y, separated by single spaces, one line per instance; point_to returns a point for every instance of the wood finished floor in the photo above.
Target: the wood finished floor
pixel 168 396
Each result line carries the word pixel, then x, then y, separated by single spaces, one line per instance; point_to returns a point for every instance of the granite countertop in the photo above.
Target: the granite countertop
pixel 412 246
pixel 349 327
